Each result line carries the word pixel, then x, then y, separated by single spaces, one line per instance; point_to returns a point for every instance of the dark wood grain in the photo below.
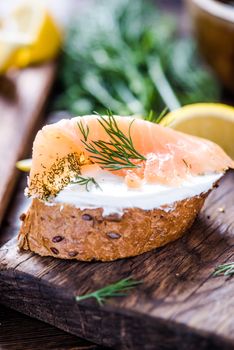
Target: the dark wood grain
pixel 17 333
pixel 23 95
pixel 179 306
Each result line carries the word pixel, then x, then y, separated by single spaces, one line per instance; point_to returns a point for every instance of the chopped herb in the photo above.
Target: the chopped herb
pixel 224 270
pixel 117 289
pixel 186 164
pixel 115 154
pixel 55 178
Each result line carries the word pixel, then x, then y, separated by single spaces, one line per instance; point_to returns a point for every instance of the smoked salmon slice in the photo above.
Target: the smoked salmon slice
pixel 165 156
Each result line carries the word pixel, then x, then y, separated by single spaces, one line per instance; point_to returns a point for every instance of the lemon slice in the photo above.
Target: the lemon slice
pixel 24 165
pixel 28 35
pixel 213 121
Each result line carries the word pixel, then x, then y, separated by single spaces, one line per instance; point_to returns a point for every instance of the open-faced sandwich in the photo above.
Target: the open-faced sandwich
pixel 111 187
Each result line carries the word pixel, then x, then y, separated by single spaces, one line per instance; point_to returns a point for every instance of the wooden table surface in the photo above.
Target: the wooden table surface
pixel 18 331
pixel 21 332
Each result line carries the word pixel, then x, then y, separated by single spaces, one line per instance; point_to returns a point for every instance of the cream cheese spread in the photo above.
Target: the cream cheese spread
pixel 114 196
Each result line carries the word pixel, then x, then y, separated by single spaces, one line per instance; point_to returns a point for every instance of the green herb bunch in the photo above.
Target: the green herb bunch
pixel 126 55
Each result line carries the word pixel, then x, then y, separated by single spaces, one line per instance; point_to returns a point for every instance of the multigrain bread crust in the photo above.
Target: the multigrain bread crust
pixel 64 231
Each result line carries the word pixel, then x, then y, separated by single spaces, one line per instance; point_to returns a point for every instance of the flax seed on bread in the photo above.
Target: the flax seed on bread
pixel 64 231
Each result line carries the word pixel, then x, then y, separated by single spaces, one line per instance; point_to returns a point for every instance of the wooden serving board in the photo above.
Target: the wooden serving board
pixel 179 305
pixel 23 95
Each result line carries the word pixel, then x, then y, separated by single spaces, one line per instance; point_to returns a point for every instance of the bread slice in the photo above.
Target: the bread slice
pixel 64 231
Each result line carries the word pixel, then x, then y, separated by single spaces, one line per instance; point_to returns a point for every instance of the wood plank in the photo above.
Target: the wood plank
pixel 179 306
pixel 18 332
pixel 23 95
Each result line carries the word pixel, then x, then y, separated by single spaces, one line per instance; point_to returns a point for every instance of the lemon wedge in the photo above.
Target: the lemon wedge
pixel 28 35
pixel 24 165
pixel 213 121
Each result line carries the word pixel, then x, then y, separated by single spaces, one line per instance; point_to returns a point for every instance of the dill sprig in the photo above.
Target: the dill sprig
pixel 84 131
pixel 85 181
pixel 224 270
pixel 151 117
pixel 115 154
pixel 117 289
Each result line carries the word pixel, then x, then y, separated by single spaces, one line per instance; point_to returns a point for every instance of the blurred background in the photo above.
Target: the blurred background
pixel 60 58
pixel 132 57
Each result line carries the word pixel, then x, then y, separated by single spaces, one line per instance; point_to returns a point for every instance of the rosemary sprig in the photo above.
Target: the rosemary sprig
pixel 117 153
pixel 117 289
pixel 224 269
pixel 85 181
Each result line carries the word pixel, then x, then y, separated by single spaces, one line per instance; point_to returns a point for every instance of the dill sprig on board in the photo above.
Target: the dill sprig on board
pixel 117 289
pixel 85 181
pixel 224 270
pixel 115 154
